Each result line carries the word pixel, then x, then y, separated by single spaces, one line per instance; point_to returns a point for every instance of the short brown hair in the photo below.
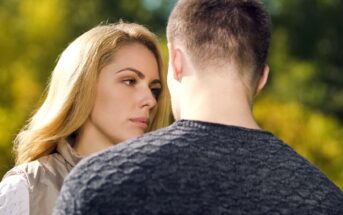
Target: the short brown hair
pixel 222 30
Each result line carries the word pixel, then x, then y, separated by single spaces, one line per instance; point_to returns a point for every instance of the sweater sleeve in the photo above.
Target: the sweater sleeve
pixel 14 195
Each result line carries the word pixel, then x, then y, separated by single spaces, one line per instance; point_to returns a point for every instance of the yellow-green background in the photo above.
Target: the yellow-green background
pixel 302 104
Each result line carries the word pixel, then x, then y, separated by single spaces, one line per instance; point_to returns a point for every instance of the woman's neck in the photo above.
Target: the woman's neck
pixel 90 140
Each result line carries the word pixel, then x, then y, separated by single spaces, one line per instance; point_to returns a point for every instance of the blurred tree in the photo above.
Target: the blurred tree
pixel 310 35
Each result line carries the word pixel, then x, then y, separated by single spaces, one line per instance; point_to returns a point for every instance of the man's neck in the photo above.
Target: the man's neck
pixel 221 102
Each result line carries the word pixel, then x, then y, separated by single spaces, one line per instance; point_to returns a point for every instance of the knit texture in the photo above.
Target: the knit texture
pixel 194 167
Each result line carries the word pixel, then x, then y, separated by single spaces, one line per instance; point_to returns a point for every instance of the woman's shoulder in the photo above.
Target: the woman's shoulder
pixel 14 195
pixel 23 169
pixel 41 180
pixel 37 171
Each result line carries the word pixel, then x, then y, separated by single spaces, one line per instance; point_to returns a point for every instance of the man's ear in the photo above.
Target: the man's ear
pixel 263 79
pixel 175 58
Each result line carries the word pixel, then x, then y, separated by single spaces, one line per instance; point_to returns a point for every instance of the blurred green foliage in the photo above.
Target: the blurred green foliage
pixel 302 103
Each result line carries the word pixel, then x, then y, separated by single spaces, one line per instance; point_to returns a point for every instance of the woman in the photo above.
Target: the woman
pixel 104 89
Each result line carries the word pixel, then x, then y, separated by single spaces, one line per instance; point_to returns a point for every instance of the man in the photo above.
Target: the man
pixel 214 159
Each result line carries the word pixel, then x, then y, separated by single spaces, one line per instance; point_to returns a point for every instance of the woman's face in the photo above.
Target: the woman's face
pixel 126 96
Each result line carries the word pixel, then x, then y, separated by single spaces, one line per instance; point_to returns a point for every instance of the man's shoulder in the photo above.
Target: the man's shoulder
pixel 132 151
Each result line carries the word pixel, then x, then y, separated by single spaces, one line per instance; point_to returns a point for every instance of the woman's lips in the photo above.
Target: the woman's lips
pixel 141 122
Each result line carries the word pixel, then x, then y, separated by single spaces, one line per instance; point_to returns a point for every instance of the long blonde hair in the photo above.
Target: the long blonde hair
pixel 71 90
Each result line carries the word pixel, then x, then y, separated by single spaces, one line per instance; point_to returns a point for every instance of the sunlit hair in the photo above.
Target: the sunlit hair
pixel 71 91
pixel 217 31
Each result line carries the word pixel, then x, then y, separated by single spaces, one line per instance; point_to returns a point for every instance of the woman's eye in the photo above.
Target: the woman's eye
pixel 156 92
pixel 129 82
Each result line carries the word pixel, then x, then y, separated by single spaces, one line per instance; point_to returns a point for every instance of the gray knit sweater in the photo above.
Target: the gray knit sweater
pixel 194 167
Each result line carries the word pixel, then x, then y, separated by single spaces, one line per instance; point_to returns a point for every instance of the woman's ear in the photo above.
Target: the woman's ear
pixel 175 58
pixel 263 79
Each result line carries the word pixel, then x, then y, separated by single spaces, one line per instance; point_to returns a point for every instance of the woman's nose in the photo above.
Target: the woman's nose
pixel 148 99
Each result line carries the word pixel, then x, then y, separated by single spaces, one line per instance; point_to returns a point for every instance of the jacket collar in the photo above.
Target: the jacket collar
pixel 68 153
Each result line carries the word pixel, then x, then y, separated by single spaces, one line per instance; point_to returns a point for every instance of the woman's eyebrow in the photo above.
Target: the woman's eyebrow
pixel 140 74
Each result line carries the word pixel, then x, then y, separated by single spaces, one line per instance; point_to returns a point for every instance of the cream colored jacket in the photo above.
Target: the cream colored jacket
pixel 45 176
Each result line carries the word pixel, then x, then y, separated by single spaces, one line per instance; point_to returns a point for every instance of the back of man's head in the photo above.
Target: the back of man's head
pixel 223 31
